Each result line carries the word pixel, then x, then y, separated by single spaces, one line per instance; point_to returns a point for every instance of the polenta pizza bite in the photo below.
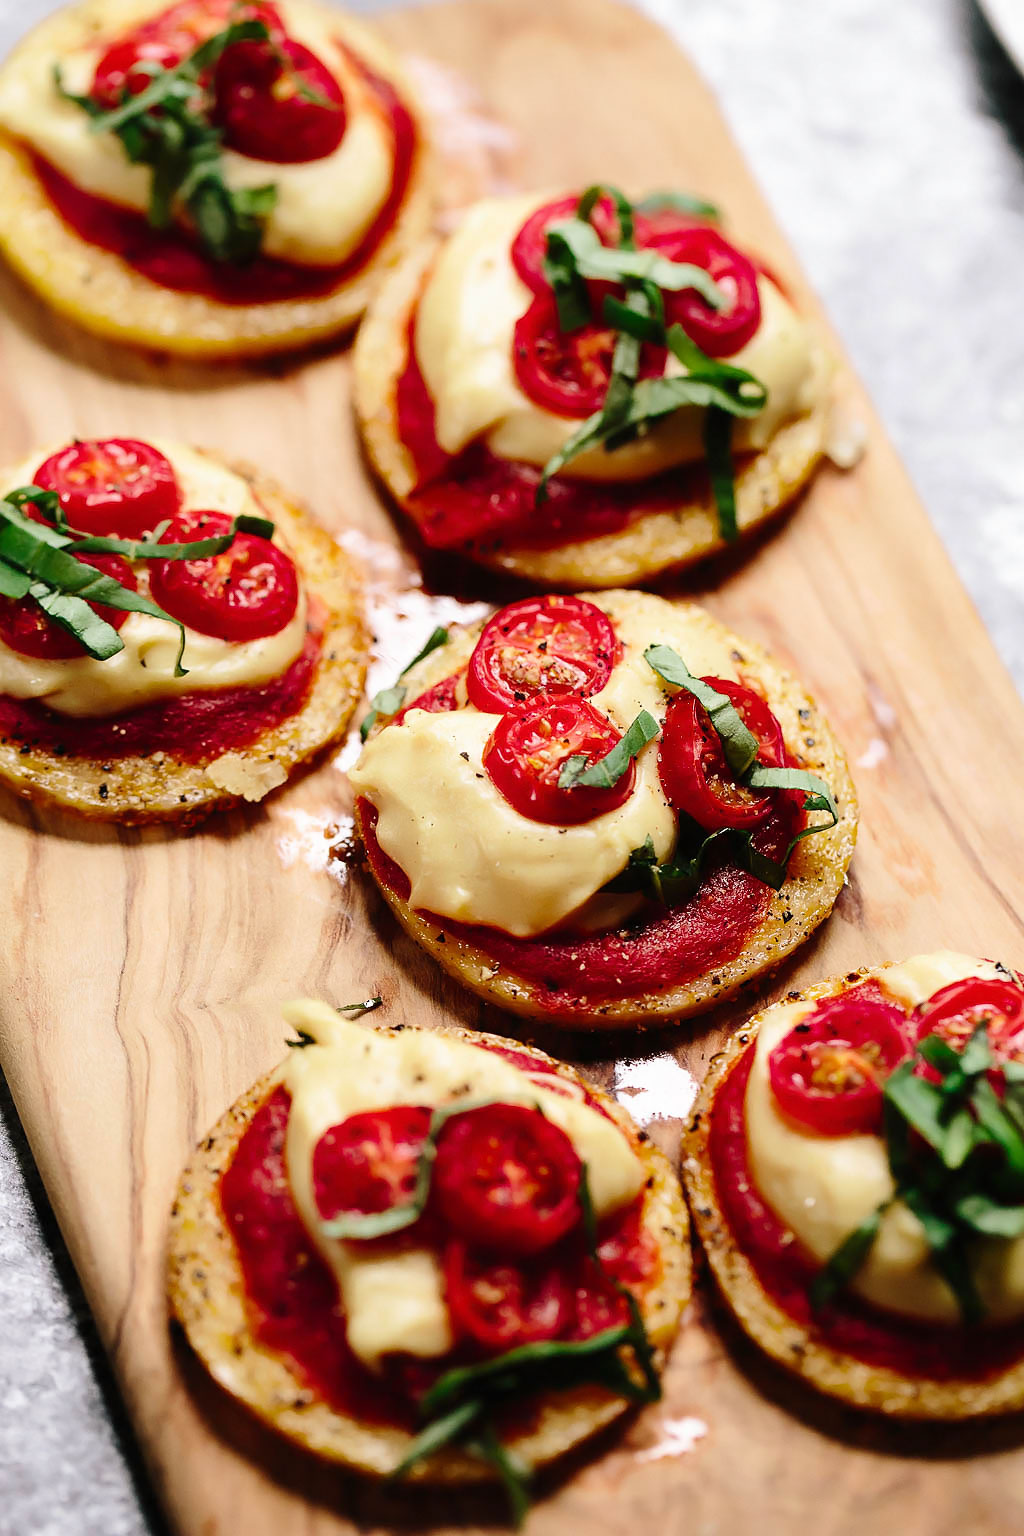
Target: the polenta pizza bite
pixel 603 809
pixel 210 177
pixel 855 1167
pixel 588 392
pixel 175 635
pixel 435 1255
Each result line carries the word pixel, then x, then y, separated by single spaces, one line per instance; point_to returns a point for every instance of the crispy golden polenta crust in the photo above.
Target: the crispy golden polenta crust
pixel 788 1342
pixel 816 873
pixel 651 544
pixel 136 790
pixel 207 1297
pixel 102 293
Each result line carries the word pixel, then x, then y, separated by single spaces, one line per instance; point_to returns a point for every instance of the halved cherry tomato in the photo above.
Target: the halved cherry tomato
pixel 262 102
pixel 694 773
pixel 528 747
pixel 567 372
pixel 501 1304
pixel 507 1179
pixel 719 333
pixel 249 591
pixel 436 701
pixel 956 1011
pixel 530 245
pixel 828 1072
pixel 27 629
pixel 368 1162
pixel 111 486
pixel 541 645
pixel 597 1304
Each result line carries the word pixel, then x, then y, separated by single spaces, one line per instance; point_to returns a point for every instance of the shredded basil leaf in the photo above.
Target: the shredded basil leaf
pixel 390 700
pixel 718 452
pixel 577 773
pixel 435 640
pixel 439 1432
pixel 167 127
pixel 193 549
pixel 572 242
pixel 739 743
pixel 677 202
pixel 847 1259
pixel 515 1474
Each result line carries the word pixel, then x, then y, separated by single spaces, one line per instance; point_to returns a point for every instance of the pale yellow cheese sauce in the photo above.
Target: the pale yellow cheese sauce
pixel 823 1187
pixel 463 338
pixel 393 1297
pixel 144 670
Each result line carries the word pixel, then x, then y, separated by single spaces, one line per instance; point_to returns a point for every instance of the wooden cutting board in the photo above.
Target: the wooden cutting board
pixel 142 971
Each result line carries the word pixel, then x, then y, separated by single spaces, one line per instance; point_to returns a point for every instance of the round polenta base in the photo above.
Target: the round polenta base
pixel 815 877
pixel 788 1342
pixel 135 790
pixel 105 295
pixel 207 1296
pixel 653 543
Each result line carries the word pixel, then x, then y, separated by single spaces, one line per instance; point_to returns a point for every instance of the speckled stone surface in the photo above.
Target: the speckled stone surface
pixel 888 137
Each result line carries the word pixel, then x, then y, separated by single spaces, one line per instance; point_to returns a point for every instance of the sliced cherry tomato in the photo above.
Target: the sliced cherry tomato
pixel 249 591
pixel 368 1162
pixel 626 1251
pixel 828 1072
pixel 541 645
pixel 278 102
pixel 118 71
pixel 528 747
pixel 956 1011
pixel 111 486
pixel 597 1304
pixel 438 700
pixel 530 245
pixel 719 333
pixel 507 1179
pixel 165 40
pixel 27 629
pixel 694 773
pixel 501 1304
pixel 663 227
pixel 567 372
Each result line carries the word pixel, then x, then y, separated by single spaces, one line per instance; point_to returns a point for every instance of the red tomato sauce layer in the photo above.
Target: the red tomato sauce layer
pixel 293 1297
pixel 193 728
pixel 707 931
pixel 171 259
pixel 480 502
pixel 849 1325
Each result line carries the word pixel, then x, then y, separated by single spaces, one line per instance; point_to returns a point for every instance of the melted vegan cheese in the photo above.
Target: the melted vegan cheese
pixel 823 1187
pixel 394 1297
pixel 323 207
pixel 463 338
pixel 468 854
pixel 144 670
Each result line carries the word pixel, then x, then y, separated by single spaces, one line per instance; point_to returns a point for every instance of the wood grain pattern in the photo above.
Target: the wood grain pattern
pixel 141 970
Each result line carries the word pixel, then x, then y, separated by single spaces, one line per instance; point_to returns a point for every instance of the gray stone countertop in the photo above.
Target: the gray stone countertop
pixel 888 138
